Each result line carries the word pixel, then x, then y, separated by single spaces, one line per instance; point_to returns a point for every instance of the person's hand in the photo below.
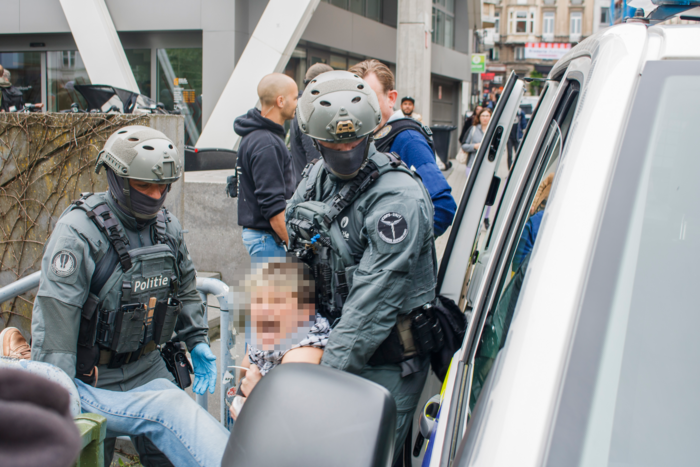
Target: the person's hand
pixel 477 146
pixel 252 377
pixel 204 363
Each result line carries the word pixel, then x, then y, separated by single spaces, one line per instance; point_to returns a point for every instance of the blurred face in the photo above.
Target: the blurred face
pixel 277 316
pixel 478 109
pixel 485 117
pixel 152 190
pixel 407 107
pixel 387 100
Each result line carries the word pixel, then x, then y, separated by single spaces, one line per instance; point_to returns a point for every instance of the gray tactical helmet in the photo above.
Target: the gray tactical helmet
pixel 141 153
pixel 338 107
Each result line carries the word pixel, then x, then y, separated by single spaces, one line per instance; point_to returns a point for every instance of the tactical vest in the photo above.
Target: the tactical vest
pixel 131 308
pixel 384 138
pixel 316 239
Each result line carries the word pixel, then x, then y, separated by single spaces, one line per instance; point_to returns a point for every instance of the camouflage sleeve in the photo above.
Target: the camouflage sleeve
pixel 396 231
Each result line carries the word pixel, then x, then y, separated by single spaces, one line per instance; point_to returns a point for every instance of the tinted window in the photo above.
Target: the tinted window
pixel 632 386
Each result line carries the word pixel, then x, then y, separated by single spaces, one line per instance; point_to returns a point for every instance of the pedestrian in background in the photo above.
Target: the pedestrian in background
pixel 266 177
pixel 409 139
pixel 11 98
pixel 476 135
pixel 301 146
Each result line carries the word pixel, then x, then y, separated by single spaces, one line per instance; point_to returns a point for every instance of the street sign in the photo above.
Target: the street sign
pixel 546 50
pixel 478 63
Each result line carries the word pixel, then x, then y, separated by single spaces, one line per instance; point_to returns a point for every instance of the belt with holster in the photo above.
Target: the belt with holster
pixel 114 360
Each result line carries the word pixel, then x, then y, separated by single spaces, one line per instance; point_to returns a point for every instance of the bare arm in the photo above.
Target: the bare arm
pixel 303 355
pixel 280 228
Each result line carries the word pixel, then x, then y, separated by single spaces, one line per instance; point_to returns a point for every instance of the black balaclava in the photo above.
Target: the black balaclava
pixel 345 164
pixel 133 202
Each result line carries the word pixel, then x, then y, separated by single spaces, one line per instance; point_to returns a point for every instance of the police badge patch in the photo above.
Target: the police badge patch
pixel 383 132
pixel 64 263
pixel 392 228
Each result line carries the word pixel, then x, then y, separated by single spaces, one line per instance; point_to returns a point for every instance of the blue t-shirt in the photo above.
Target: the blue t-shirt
pixel 527 241
pixel 414 151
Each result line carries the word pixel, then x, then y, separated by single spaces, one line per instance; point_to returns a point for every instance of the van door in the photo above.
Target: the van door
pixel 481 180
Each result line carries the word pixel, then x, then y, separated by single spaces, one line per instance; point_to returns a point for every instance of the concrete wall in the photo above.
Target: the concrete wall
pixel 211 219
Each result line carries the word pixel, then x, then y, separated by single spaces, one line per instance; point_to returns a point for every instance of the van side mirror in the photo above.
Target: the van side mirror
pixel 312 415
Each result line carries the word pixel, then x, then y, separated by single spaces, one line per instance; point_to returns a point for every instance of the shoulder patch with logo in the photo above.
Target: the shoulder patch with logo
pixel 383 132
pixel 63 263
pixel 392 228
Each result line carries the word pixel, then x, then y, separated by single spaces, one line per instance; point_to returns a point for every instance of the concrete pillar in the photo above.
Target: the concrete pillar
pixel 413 46
pixel 219 18
pixel 100 49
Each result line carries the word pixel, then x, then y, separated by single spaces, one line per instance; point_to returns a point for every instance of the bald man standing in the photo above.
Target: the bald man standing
pixel 266 179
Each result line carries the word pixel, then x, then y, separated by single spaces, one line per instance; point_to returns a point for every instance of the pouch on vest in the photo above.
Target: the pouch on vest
pixel 165 319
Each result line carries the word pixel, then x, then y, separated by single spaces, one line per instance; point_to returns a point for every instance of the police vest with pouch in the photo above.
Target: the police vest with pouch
pixel 131 307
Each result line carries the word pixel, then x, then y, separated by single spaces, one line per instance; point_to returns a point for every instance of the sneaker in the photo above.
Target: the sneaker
pixel 13 345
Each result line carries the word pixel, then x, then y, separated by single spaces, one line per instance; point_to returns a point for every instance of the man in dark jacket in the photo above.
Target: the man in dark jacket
pixel 266 177
pixel 302 147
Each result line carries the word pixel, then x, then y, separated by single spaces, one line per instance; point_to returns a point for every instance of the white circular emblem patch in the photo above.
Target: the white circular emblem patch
pixel 63 263
pixel 344 222
pixel 392 227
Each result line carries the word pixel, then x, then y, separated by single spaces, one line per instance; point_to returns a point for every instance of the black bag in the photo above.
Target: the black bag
pixel 11 97
pixel 454 325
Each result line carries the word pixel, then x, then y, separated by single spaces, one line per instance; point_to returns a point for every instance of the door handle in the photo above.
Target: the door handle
pixel 495 142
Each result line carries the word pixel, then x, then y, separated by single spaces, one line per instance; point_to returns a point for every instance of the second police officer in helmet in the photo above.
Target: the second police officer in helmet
pixel 117 281
pixel 364 223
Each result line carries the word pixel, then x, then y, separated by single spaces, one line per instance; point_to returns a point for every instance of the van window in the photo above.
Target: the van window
pixel 631 389
pixel 499 317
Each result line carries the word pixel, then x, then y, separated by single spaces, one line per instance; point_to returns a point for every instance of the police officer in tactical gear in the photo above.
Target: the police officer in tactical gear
pixel 364 223
pixel 117 280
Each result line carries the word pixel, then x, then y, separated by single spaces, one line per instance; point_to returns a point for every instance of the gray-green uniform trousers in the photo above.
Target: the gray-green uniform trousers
pixel 396 272
pixel 59 302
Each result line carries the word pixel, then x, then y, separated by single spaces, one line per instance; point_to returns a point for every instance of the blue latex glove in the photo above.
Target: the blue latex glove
pixel 204 363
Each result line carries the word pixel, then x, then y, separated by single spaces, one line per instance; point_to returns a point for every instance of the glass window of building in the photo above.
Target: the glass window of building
pixel 521 22
pixel 605 15
pixel 443 23
pixel 179 86
pixel 296 67
pixel 369 8
pixel 64 69
pixel 25 73
pixel 548 26
pixel 497 23
pixel 339 62
pixel 575 26
pixel 520 53
pixel 531 28
pixel 140 63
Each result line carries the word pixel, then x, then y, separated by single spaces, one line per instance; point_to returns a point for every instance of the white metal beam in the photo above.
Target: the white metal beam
pixel 267 51
pixel 98 43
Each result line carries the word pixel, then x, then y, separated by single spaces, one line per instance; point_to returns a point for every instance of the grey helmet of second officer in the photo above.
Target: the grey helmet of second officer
pixel 139 155
pixel 340 112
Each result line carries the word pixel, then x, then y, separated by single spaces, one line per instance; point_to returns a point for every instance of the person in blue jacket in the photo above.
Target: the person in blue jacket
pixel 410 140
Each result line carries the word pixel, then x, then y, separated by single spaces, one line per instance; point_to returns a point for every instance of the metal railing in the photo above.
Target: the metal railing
pixel 205 286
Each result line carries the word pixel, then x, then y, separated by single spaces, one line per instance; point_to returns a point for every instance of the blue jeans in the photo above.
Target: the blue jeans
pixel 186 433
pixel 261 245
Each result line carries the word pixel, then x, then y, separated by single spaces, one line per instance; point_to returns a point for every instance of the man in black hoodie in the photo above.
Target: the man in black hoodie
pixel 266 177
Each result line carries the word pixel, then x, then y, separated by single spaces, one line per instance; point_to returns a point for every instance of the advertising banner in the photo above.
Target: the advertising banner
pixel 546 50
pixel 478 63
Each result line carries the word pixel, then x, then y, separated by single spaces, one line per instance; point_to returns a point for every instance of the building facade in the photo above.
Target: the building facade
pixel 529 36
pixel 182 52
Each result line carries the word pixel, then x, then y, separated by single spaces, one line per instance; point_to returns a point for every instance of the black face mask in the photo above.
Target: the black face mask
pixel 133 202
pixel 345 164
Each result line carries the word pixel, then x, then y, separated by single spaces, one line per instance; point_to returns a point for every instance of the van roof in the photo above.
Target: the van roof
pixel 664 42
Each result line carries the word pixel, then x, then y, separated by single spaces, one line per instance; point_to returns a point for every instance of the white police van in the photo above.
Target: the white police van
pixel 582 341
